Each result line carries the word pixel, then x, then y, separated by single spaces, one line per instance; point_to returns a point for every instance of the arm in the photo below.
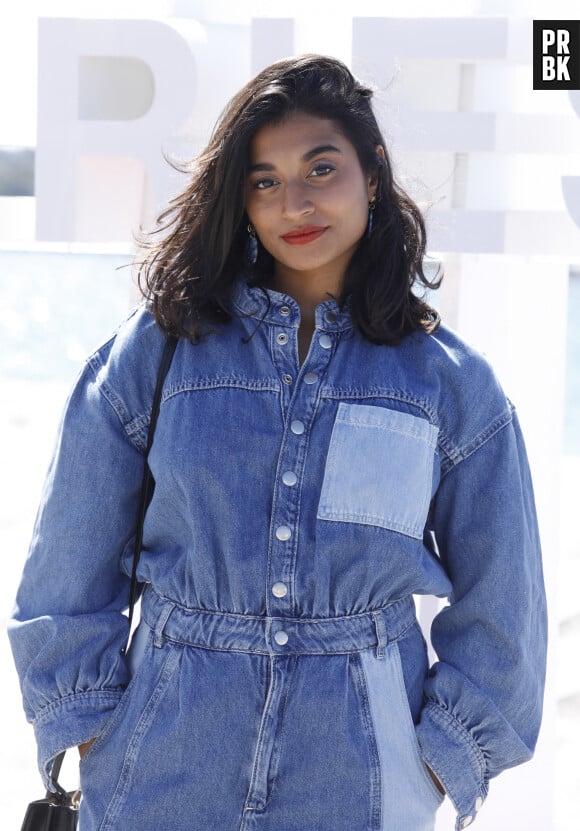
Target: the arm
pixel 483 698
pixel 68 626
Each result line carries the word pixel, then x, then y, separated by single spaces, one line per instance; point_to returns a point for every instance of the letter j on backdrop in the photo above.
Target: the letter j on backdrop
pixel 557 54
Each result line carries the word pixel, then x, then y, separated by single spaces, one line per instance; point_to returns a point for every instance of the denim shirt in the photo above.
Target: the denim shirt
pixel 367 474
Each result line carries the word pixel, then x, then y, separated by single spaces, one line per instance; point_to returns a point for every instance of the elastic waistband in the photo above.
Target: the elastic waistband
pixel 276 635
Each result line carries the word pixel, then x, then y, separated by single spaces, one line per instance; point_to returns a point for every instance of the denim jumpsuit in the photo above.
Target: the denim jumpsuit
pixel 278 680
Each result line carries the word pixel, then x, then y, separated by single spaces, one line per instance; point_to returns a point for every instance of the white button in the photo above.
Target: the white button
pixel 281 637
pixel 284 310
pixel 283 532
pixel 325 341
pixel 287 379
pixel 467 821
pixel 297 427
pixel 282 338
pixel 279 589
pixel 289 478
pixel 310 378
pixel 330 317
pixel 478 803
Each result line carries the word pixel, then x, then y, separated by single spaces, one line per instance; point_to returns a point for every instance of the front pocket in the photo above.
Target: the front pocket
pixel 379 469
pixel 141 646
pixel 409 797
pixel 110 763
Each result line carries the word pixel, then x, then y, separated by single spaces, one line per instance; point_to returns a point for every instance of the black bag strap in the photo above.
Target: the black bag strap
pixel 147 486
pixel 62 795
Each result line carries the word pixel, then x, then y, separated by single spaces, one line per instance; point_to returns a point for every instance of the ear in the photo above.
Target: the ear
pixel 374 177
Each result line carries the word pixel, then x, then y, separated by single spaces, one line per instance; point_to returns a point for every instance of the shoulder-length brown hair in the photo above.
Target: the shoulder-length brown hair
pixel 197 251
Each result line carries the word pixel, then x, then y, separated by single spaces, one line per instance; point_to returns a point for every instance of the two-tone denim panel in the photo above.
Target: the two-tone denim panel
pixel 403 771
pixel 379 469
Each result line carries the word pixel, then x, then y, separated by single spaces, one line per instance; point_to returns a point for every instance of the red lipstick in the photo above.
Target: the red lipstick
pixel 304 235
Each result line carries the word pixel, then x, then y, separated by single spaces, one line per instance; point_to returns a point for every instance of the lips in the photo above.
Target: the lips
pixel 304 235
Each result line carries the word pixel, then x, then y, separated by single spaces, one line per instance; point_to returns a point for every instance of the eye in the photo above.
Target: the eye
pixel 264 184
pixel 322 169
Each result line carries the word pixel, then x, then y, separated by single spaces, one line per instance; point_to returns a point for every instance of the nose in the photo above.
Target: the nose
pixel 297 200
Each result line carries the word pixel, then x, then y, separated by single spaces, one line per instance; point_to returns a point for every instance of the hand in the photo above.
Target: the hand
pixel 84 747
pixel 436 781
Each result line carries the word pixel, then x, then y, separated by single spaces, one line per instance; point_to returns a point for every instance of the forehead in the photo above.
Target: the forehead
pixel 295 135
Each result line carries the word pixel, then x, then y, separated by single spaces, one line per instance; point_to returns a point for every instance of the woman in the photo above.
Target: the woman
pixel 325 450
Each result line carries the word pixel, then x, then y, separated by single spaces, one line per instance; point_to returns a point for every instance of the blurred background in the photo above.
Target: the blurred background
pixel 94 102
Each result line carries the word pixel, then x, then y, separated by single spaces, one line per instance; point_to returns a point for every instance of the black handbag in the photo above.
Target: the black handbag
pixel 59 810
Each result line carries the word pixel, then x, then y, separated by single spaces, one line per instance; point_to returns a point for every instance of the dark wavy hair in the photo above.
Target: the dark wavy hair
pixel 196 252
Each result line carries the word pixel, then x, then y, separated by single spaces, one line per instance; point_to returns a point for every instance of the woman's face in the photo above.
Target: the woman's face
pixel 307 197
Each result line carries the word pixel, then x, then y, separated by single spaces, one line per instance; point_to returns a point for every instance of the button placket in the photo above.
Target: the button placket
pixel 284 517
pixel 282 338
pixel 302 397
pixel 279 596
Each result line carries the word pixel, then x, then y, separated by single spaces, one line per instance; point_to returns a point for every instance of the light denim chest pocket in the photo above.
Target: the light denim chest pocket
pixel 379 469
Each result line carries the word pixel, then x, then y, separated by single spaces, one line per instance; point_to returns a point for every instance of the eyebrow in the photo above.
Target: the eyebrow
pixel 316 151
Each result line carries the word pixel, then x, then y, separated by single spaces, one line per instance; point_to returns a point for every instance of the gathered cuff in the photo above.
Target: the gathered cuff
pixel 456 759
pixel 69 722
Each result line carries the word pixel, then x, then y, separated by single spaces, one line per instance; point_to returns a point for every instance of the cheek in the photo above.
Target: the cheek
pixel 254 206
pixel 263 221
pixel 353 199
pixel 358 215
pixel 255 211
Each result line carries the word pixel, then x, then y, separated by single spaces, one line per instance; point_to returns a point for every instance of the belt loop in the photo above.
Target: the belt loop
pixel 381 630
pixel 161 621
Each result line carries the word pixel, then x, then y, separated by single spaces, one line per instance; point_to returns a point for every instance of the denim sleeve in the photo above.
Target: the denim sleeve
pixel 483 698
pixel 68 629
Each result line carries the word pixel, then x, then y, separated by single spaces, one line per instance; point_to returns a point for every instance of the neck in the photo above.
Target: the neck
pixel 308 290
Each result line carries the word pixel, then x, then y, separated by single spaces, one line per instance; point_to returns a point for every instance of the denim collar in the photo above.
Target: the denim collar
pixel 270 306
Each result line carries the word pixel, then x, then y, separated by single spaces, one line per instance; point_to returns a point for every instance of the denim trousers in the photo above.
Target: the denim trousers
pixel 320 737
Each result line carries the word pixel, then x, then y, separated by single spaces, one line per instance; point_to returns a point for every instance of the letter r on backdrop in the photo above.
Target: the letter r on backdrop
pixel 106 103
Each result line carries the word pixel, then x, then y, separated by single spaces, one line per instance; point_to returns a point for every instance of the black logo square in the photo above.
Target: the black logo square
pixel 556 54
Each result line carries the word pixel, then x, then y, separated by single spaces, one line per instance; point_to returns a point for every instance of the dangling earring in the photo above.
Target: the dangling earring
pixel 372 204
pixel 251 253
